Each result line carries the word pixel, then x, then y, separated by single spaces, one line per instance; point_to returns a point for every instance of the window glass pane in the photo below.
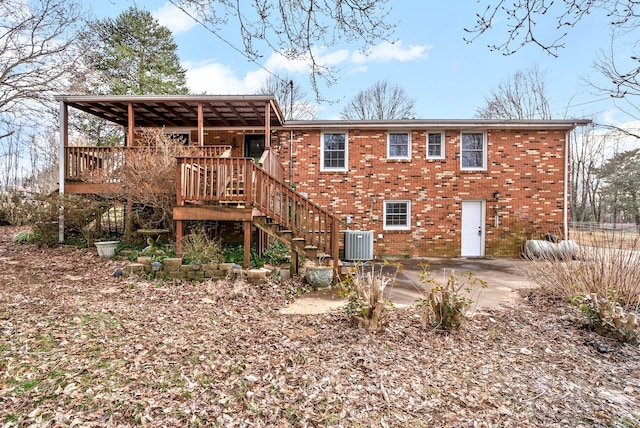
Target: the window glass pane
pixel 472 150
pixel 334 146
pixel 398 145
pixel 396 214
pixel 472 159
pixel 434 145
pixel 472 141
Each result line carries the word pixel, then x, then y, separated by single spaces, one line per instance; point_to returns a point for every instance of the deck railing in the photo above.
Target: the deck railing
pixel 80 160
pixel 241 181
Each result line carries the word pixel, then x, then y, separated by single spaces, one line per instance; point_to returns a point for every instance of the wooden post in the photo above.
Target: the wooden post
pixel 247 244
pixel 179 202
pixel 128 221
pixel 200 124
pixel 131 124
pixel 293 270
pixel 179 232
pixel 267 125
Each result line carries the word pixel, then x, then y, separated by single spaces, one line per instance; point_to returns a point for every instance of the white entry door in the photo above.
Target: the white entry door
pixel 472 229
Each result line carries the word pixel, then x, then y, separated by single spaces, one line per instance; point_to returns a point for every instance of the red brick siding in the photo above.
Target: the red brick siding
pixel 526 167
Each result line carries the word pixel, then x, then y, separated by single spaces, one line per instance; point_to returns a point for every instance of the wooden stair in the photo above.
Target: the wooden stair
pixel 226 185
pixel 299 244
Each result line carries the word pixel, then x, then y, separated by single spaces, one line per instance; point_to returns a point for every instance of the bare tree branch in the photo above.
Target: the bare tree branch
pixel 295 29
pixel 291 98
pixel 520 96
pixel 543 22
pixel 382 101
pixel 37 47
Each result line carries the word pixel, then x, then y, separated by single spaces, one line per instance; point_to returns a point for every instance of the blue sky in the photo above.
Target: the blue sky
pixel 430 61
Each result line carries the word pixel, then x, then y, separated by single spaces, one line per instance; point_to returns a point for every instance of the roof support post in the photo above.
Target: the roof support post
pixel 246 226
pixel 267 124
pixel 131 123
pixel 200 124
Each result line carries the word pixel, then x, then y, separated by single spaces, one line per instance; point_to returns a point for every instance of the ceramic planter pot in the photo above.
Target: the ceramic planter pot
pixel 319 277
pixel 107 249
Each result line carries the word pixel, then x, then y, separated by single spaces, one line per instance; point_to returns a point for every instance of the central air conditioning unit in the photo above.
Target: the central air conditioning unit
pixel 358 245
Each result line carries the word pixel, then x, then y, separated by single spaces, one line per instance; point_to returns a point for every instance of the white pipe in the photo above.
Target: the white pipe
pixel 565 208
pixel 61 167
pixel 291 158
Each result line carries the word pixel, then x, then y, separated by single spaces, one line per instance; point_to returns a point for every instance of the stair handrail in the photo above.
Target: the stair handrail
pixel 200 178
pixel 292 210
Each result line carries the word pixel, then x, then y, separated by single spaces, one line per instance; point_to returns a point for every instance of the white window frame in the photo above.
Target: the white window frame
pixel 346 151
pixel 394 226
pixel 482 167
pixel 408 156
pixel 442 145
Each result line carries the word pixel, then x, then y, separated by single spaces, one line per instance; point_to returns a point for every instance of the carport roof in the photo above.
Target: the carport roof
pixel 229 111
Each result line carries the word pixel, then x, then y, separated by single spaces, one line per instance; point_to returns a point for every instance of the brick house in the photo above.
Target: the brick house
pixel 437 187
pixel 422 187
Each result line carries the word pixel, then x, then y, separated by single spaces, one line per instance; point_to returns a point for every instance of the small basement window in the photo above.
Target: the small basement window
pixel 397 215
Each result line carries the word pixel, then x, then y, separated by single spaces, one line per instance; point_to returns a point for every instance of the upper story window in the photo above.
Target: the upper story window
pixel 397 215
pixel 399 145
pixel 435 145
pixel 473 151
pixel 334 150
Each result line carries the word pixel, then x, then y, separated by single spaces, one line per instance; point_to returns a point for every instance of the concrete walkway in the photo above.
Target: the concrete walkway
pixel 504 276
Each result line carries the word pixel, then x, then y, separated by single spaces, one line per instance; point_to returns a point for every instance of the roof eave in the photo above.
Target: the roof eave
pixel 564 124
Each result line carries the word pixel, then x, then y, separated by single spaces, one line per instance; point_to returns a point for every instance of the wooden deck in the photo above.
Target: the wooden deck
pixel 213 186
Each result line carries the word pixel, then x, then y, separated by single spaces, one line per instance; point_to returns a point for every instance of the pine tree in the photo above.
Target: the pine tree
pixel 136 56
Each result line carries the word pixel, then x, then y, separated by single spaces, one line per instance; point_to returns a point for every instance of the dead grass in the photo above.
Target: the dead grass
pixel 82 348
pixel 613 238
pixel 606 262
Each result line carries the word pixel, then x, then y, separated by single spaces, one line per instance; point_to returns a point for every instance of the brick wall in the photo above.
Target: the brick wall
pixel 526 167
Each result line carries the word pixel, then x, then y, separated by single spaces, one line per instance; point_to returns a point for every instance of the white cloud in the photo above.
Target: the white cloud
pixel 386 52
pixel 278 62
pixel 609 116
pixel 214 78
pixel 174 19
pixel 357 70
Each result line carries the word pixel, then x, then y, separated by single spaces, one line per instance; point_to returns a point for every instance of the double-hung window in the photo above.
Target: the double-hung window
pixel 473 151
pixel 435 145
pixel 397 215
pixel 399 145
pixel 334 150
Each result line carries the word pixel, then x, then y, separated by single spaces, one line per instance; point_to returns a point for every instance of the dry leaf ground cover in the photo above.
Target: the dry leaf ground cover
pixel 82 348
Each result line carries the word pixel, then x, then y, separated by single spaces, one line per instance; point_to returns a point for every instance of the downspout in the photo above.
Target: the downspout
pixel 566 184
pixel 62 123
pixel 291 158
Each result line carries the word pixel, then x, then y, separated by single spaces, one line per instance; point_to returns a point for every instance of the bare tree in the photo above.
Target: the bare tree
pixel 147 177
pixel 525 22
pixel 291 98
pixel 381 101
pixel 294 28
pixel 37 47
pixel 587 155
pixel 38 51
pixel 521 95
pixel 622 74
pixel 532 21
